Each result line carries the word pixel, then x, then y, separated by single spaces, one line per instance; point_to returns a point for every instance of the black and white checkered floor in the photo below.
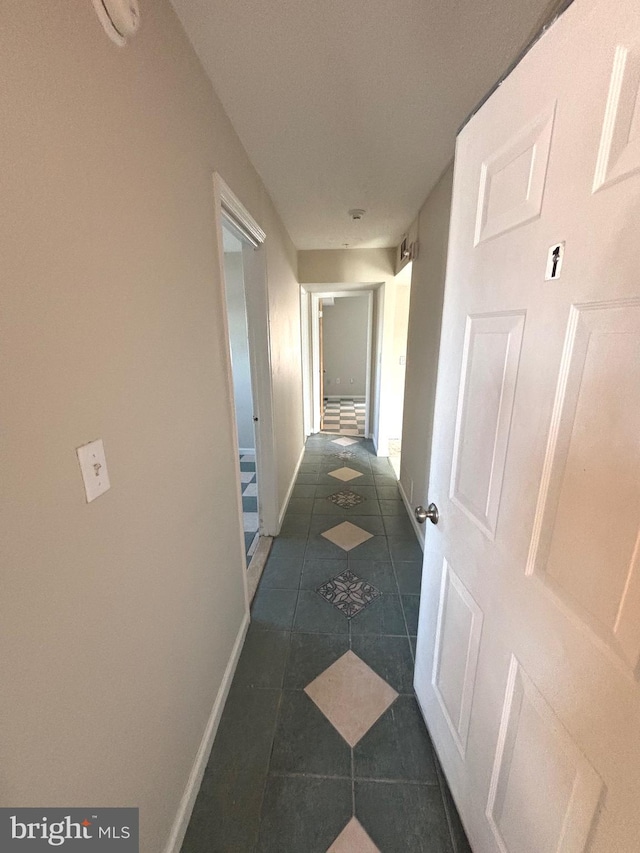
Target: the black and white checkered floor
pixel 249 502
pixel 344 417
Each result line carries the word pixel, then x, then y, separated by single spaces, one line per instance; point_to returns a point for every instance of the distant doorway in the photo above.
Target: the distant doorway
pixel 342 345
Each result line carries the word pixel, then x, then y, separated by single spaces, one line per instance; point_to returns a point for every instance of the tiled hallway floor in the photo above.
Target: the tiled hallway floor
pixel 321 746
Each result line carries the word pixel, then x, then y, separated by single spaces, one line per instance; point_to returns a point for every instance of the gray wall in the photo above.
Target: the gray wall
pixel 237 313
pixel 118 618
pixel 425 318
pixel 344 332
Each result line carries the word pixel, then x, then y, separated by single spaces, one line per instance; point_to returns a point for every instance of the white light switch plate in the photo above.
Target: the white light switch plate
pixel 93 465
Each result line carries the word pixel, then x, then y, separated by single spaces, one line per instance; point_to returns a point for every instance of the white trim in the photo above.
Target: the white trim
pixel 305 322
pixel 188 799
pixel 419 528
pixel 367 384
pixel 377 412
pixel 287 498
pixel 238 213
pixel 229 207
pixel 257 564
pixel 316 402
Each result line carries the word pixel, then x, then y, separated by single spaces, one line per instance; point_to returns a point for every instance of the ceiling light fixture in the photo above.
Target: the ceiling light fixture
pixel 119 18
pixel 356 214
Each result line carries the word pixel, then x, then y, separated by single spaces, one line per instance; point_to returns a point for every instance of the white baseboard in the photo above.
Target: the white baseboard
pixel 188 800
pixel 419 528
pixel 285 505
pixel 243 450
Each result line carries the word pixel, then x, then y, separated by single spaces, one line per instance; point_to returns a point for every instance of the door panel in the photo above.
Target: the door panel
pixel 527 665
pixel 525 816
pixel 489 370
pixel 455 658
pixel 619 154
pixel 512 179
pixel 592 461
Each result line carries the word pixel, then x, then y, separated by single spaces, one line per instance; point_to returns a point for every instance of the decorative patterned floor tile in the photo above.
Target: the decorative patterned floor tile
pixel 346 498
pixel 351 696
pixel 346 535
pixel 344 442
pixel 345 474
pixel 349 593
pixel 353 839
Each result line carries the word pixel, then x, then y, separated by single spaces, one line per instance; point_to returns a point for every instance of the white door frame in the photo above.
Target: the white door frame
pixel 315 352
pixel 307 380
pixel 228 206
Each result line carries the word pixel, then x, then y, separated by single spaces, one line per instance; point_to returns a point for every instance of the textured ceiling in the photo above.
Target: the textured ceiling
pixel 353 103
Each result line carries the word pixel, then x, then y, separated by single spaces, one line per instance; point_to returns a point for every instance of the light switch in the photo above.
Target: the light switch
pixel 93 465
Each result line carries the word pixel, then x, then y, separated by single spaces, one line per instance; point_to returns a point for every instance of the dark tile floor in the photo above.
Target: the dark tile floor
pixel 281 777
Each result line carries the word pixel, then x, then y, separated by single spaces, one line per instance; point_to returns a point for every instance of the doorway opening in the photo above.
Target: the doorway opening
pixel 341 346
pixel 344 331
pixel 243 385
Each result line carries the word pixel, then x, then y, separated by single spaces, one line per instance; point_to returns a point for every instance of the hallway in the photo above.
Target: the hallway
pixel 332 637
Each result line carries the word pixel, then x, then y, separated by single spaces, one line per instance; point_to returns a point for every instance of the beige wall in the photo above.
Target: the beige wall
pixel 286 358
pixel 345 332
pixel 425 317
pixel 332 266
pixel 118 617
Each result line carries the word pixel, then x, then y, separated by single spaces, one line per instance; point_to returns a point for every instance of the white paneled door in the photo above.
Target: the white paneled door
pixel 528 656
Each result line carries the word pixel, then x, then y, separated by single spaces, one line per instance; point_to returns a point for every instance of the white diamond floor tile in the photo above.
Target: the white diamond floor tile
pixel 344 442
pixel 247 476
pixel 250 522
pixel 345 474
pixel 251 491
pixel 353 839
pixel 351 696
pixel 248 457
pixel 347 536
